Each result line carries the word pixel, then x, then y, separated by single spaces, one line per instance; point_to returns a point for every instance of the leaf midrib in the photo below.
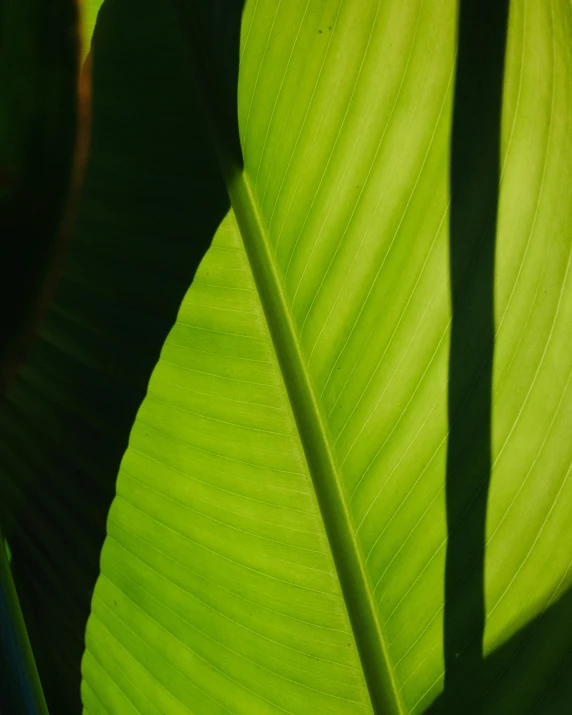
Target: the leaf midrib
pixel 384 694
pixel 324 472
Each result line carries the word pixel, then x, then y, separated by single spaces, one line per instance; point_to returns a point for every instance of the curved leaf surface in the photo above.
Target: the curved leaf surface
pixel 347 489
pixel 310 444
pixel 65 421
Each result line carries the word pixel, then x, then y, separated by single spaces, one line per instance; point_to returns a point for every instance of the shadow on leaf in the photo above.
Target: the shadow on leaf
pixel 501 689
pixel 152 201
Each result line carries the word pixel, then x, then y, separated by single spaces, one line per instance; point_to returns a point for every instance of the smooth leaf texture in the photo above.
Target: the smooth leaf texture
pixel 348 487
pixel 143 226
pixel 88 10
pixel 218 590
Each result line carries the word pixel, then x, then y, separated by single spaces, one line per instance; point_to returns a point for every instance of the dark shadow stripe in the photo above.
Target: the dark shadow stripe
pixel 474 186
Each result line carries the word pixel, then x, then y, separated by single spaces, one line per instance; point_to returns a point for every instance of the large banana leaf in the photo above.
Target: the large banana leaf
pixel 347 488
pixel 141 230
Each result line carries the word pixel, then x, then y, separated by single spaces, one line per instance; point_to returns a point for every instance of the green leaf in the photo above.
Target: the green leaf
pixel 143 226
pixel 21 689
pixel 298 458
pixel 347 489
pixel 88 11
